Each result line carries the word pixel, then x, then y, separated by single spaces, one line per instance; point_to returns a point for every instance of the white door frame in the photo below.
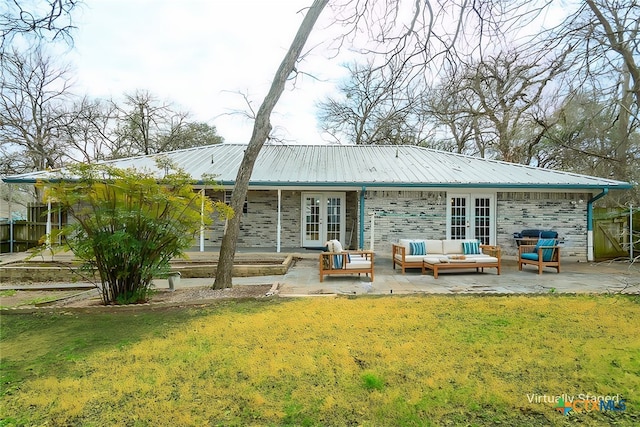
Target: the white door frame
pixel 473 215
pixel 316 234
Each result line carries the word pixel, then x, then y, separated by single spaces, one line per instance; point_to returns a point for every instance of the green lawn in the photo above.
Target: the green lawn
pixel 372 361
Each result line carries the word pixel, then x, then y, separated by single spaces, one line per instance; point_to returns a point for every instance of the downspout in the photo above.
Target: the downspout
pixel 10 219
pixel 361 239
pixel 590 254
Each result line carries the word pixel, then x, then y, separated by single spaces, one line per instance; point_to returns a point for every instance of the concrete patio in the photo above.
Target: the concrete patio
pixel 303 279
pixel 576 277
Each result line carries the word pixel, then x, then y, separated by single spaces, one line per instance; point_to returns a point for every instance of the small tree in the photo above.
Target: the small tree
pixel 129 223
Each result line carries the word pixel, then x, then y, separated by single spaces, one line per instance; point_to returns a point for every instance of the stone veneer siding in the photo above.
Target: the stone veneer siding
pixel 563 212
pixel 422 214
pixel 411 214
pixel 404 214
pixel 258 228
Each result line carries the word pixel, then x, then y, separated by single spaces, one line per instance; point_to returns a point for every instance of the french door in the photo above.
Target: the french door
pixel 323 218
pixel 471 216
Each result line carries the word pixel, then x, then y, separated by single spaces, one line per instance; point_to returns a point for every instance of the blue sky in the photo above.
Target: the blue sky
pixel 199 54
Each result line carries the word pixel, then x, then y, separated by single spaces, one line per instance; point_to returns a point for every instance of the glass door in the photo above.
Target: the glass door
pixel 471 216
pixel 323 218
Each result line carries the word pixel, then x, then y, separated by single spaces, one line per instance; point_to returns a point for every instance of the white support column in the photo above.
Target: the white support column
pixel 279 224
pixel 202 196
pixel 48 238
pixel 631 242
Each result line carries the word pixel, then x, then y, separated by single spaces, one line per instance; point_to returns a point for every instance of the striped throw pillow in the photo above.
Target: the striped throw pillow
pixel 417 248
pixel 471 248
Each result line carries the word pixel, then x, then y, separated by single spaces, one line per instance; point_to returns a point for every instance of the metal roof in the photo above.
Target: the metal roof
pixel 280 165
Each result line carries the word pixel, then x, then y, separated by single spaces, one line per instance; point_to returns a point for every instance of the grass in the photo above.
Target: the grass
pixel 370 361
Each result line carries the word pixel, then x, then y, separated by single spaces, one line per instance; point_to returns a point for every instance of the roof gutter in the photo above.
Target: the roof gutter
pixel 590 254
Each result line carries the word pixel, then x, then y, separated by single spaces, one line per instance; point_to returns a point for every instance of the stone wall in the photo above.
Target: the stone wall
pixel 404 214
pixel 565 213
pixel 422 214
pixel 413 214
pixel 259 224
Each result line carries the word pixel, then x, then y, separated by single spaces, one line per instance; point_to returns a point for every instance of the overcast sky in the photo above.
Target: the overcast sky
pixel 199 54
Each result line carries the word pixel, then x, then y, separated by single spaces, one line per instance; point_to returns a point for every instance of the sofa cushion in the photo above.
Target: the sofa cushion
pixel 358 265
pixel 452 247
pixel 410 258
pixel 531 256
pixel 471 247
pixel 434 246
pixel 417 247
pixel 405 242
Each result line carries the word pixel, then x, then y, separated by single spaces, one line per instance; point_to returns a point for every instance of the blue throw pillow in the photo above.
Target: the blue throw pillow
pixel 471 248
pixel 417 248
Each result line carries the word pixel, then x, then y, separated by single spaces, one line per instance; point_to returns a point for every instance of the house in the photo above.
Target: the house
pixel 300 196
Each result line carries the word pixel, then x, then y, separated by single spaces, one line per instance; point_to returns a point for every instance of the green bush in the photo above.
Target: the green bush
pixel 129 223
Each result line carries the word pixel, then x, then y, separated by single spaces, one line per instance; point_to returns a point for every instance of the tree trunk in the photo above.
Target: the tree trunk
pixel 261 129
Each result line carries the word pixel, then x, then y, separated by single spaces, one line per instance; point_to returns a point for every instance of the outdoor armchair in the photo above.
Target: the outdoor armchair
pixel 335 260
pixel 546 253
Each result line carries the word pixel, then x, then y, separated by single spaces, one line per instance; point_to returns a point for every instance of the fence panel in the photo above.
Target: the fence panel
pixel 30 233
pixel 611 235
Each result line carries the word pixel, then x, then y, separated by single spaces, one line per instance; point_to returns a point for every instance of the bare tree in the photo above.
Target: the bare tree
pixel 604 35
pixel 146 125
pixel 615 26
pixel 372 109
pixel 261 130
pixel 34 95
pixel 584 138
pixel 493 106
pixel 88 131
pixel 448 107
pixel 46 19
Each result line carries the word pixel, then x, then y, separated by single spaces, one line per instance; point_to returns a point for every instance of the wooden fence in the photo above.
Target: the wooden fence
pixel 612 236
pixel 22 235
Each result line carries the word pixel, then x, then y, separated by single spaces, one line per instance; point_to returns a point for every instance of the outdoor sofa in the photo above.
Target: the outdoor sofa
pixel 335 260
pixel 439 255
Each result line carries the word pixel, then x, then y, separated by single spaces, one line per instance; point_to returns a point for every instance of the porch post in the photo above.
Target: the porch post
pixel 631 242
pixel 48 230
pixel 278 224
pixel 361 242
pixel 202 220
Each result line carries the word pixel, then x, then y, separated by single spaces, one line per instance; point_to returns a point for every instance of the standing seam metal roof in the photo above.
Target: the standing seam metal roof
pixel 356 165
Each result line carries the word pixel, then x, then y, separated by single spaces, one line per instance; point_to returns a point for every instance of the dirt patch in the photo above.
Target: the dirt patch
pixel 91 298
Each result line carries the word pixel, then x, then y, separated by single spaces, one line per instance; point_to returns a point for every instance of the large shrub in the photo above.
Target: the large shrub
pixel 129 223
